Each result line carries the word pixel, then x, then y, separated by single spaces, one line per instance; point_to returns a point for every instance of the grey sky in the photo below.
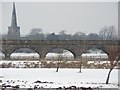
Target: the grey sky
pixel 51 17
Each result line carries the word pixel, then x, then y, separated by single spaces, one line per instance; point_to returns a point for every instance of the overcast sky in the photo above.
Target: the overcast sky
pixel 87 17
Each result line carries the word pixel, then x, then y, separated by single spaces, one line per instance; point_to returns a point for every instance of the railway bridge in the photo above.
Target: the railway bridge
pixel 76 47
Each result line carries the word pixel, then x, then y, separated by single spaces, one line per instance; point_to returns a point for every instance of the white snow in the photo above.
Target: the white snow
pixel 65 77
pixel 25 55
pixel 66 55
pixel 94 55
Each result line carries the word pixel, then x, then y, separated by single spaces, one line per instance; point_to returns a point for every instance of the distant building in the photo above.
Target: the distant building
pixel 14 30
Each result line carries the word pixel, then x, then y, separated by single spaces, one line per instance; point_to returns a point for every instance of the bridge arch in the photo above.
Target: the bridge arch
pixel 95 53
pixel 74 50
pixel 24 53
pixel 15 49
pixel 65 53
pixel 103 48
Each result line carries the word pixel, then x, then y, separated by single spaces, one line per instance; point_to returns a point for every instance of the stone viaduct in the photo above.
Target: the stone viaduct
pixel 42 47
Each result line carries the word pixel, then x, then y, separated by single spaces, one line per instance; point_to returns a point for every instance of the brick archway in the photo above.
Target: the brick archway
pixel 42 47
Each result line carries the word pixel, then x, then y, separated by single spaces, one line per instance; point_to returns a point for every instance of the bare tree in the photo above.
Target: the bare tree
pixel 64 36
pixel 93 36
pixel 80 65
pixel 63 32
pixel 52 36
pixel 102 33
pixel 59 59
pixel 79 36
pixel 36 31
pixel 114 58
pixel 108 33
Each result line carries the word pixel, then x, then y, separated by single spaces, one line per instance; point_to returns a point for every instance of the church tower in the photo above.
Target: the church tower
pixel 14 30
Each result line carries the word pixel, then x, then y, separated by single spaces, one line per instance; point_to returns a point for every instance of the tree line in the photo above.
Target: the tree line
pixel 106 33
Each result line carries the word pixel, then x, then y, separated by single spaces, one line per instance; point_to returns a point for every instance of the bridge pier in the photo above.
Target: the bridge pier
pixel 42 53
pixel 7 56
pixel 78 58
pixel 42 56
pixel 78 54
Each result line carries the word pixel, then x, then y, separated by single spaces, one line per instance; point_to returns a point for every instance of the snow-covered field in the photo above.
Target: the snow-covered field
pixel 49 78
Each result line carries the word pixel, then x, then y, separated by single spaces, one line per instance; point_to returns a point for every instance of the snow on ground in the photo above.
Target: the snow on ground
pixel 65 77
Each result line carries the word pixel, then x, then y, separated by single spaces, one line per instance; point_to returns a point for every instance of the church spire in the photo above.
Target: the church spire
pixel 14 30
pixel 14 19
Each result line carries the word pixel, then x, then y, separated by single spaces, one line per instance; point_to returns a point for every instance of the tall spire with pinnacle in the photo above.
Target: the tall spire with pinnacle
pixel 14 30
pixel 14 19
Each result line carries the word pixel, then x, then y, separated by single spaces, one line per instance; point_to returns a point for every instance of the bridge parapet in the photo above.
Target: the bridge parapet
pixel 60 42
